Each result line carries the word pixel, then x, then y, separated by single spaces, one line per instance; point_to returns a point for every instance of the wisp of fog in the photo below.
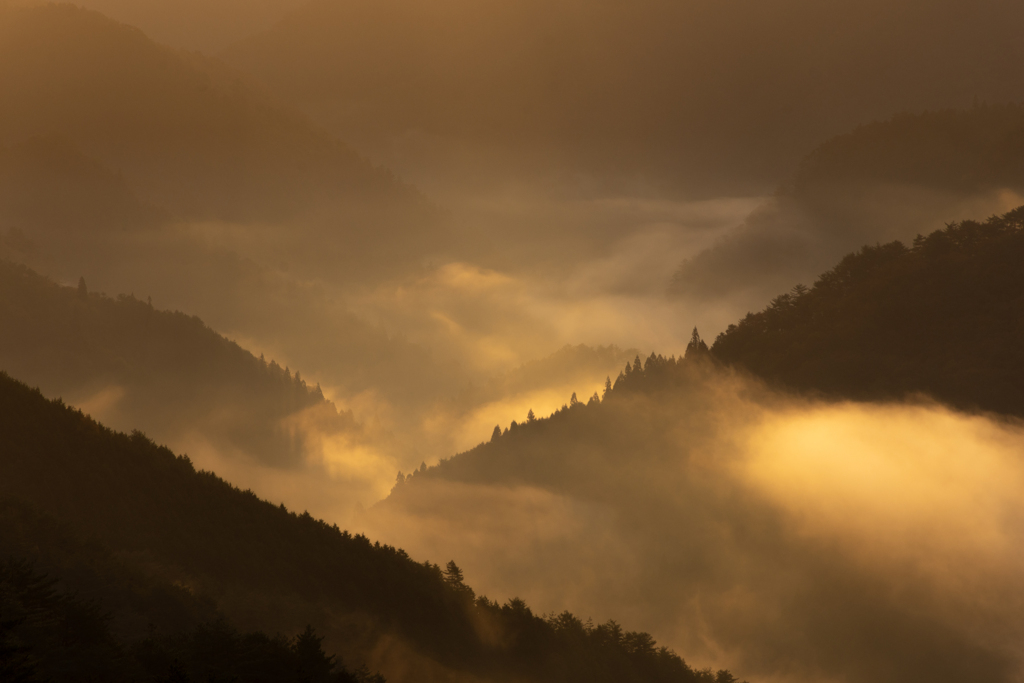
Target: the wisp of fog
pixel 795 539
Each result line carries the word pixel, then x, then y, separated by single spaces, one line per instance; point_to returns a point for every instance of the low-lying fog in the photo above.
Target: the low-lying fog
pixel 789 539
pixel 422 359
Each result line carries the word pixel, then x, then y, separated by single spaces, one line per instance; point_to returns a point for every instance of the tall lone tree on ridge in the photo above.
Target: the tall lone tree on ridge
pixel 696 347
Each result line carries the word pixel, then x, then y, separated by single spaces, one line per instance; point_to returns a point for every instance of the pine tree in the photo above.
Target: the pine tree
pixel 314 663
pixel 456 581
pixel 453 575
pixel 696 347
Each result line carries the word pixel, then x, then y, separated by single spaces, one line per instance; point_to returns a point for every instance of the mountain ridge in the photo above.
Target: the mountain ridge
pixel 135 496
pixel 175 124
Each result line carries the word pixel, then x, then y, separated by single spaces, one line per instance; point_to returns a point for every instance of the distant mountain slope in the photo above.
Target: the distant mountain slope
pixel 886 180
pixel 205 25
pixel 540 385
pixel 962 151
pixel 275 567
pixel 165 372
pixel 645 89
pixel 568 463
pixel 47 182
pixel 183 132
pixel 942 317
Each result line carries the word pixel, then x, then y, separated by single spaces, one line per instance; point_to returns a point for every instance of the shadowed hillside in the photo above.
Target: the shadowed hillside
pixel 166 372
pixel 274 567
pixel 74 610
pixel 941 317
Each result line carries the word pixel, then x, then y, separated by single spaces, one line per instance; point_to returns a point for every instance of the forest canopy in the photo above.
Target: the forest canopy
pixel 135 497
pixel 939 317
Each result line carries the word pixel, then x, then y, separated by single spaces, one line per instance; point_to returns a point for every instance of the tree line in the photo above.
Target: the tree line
pixel 151 507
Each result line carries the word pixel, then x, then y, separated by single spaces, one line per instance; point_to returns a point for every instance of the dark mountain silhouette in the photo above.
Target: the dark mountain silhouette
pixel 156 513
pixel 164 371
pixel 886 180
pixel 939 317
pixel 73 610
pixel 725 96
pixel 184 132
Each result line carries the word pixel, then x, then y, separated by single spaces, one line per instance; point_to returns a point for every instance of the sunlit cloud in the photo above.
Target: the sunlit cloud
pixel 732 522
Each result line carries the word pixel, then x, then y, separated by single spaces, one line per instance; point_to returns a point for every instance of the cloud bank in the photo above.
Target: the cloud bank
pixel 794 540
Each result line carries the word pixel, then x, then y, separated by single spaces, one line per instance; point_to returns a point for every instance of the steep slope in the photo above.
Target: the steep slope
pixel 887 180
pixel 941 317
pixel 642 89
pixel 183 131
pixel 162 371
pixel 73 610
pixel 141 500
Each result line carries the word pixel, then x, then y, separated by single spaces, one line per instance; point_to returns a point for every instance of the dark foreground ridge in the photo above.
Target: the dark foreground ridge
pixel 168 551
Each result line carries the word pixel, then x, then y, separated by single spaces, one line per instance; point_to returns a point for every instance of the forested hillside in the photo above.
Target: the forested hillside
pixel 941 317
pixel 161 371
pixel 513 455
pixel 274 567
pixel 74 610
